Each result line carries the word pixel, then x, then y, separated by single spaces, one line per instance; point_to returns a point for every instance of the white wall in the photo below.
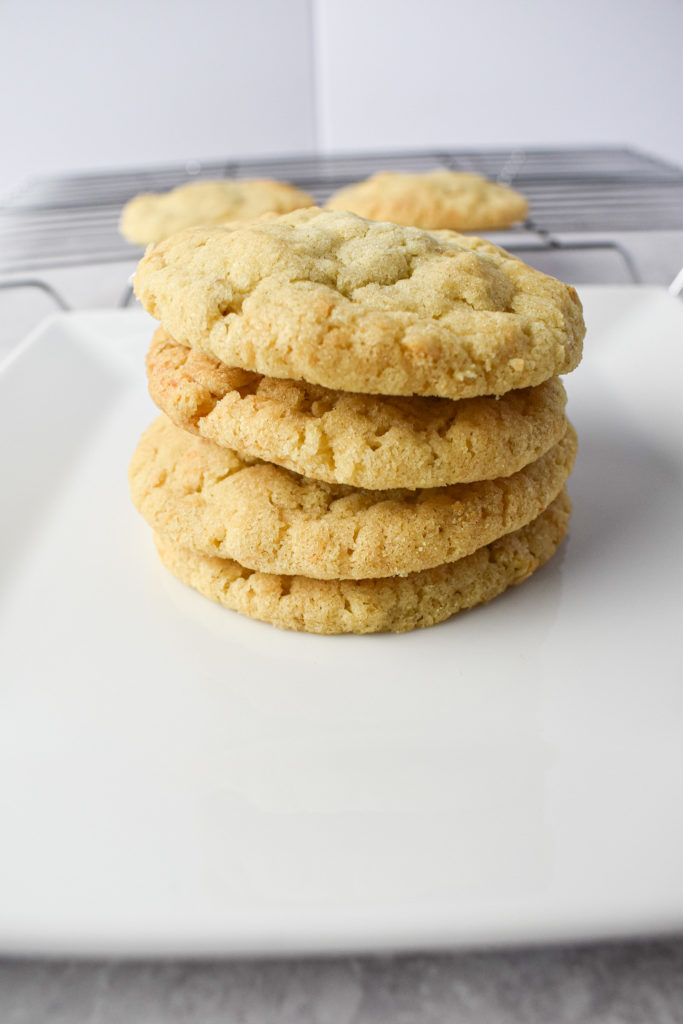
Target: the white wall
pixel 431 73
pixel 90 84
pixel 87 85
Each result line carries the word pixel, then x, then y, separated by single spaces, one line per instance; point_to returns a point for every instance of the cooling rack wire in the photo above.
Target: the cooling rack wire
pixel 71 220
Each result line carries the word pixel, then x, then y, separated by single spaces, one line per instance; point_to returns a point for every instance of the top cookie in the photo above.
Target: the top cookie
pixel 328 297
pixel 438 199
pixel 152 216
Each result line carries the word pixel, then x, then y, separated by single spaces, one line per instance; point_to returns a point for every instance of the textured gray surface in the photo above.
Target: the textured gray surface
pixel 609 984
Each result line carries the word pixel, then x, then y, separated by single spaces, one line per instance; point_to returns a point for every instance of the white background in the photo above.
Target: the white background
pixel 87 86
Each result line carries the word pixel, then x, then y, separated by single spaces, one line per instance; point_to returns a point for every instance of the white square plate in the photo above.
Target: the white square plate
pixel 176 779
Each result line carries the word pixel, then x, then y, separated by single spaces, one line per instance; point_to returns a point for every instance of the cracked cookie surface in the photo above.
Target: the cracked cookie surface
pixel 436 199
pixel 380 605
pixel 327 297
pixel 206 498
pixel 153 216
pixel 364 440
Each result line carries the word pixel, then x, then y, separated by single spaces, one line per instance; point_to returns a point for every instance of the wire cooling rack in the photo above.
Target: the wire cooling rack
pixel 50 222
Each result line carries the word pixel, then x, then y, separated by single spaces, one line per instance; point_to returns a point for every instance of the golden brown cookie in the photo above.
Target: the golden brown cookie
pixel 380 605
pixel 364 440
pixel 205 498
pixel 152 216
pixel 436 199
pixel 350 304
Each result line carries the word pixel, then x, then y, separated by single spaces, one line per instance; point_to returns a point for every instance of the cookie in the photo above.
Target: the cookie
pixel 366 441
pixel 327 297
pixel 206 498
pixel 437 199
pixel 381 605
pixel 151 216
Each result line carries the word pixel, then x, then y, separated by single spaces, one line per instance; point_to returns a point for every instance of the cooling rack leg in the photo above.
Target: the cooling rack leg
pixel 127 296
pixel 548 243
pixel 42 285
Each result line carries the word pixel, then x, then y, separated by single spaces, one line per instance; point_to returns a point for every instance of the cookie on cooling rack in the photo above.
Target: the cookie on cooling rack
pixel 436 199
pixel 206 498
pixel 151 217
pixel 366 441
pixel 330 298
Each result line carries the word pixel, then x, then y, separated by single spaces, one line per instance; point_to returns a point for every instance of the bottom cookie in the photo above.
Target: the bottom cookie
pixel 394 604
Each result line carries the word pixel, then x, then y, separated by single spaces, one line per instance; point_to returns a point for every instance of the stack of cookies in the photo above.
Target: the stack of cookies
pixel 362 424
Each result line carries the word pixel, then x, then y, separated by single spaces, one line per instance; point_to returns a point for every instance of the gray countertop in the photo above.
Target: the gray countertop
pixel 631 983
